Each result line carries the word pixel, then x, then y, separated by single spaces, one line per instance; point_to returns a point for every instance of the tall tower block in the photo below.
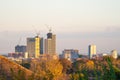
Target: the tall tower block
pixel 92 50
pixel 50 44
pixel 35 46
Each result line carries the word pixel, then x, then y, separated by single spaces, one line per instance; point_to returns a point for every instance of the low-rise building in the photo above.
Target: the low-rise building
pixel 70 54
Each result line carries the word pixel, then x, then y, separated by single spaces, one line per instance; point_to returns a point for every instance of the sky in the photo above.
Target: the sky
pixel 76 23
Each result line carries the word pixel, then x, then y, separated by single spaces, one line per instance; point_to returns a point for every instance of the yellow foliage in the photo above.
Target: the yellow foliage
pixel 90 65
pixel 7 65
pixel 48 69
pixel 76 76
pixel 81 75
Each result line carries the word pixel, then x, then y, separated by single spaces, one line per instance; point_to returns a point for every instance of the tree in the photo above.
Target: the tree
pixel 89 65
pixel 26 65
pixel 47 69
pixel 67 65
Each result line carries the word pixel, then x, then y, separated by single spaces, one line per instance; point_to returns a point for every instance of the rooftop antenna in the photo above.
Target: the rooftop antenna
pixel 38 33
pixel 49 28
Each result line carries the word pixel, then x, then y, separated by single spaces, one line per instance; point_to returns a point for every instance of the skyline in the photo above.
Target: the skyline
pixel 77 23
pixel 20 38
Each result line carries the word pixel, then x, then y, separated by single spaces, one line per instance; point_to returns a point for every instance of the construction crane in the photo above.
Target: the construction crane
pixel 36 32
pixel 19 41
pixel 49 28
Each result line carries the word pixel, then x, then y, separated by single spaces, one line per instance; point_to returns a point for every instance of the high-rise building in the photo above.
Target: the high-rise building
pixel 92 51
pixel 114 54
pixel 35 46
pixel 41 46
pixel 50 44
pixel 31 47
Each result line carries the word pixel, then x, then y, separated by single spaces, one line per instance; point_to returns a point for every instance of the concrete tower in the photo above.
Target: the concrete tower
pixel 50 44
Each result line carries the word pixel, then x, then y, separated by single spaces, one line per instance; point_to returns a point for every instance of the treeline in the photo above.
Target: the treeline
pixel 62 69
pixel 105 69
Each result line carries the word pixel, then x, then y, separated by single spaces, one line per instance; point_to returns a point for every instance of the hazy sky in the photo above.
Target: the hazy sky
pixel 77 23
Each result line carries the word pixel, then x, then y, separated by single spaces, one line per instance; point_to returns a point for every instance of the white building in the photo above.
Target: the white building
pixel 92 51
pixel 114 54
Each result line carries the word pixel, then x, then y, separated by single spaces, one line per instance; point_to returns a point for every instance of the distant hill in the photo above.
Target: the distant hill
pixel 6 65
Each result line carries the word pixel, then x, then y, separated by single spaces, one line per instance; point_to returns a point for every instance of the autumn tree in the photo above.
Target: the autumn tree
pixel 47 69
pixel 67 65
pixel 89 65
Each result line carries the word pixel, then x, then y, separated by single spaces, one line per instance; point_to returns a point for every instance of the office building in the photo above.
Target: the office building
pixel 20 48
pixel 92 51
pixel 35 47
pixel 50 44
